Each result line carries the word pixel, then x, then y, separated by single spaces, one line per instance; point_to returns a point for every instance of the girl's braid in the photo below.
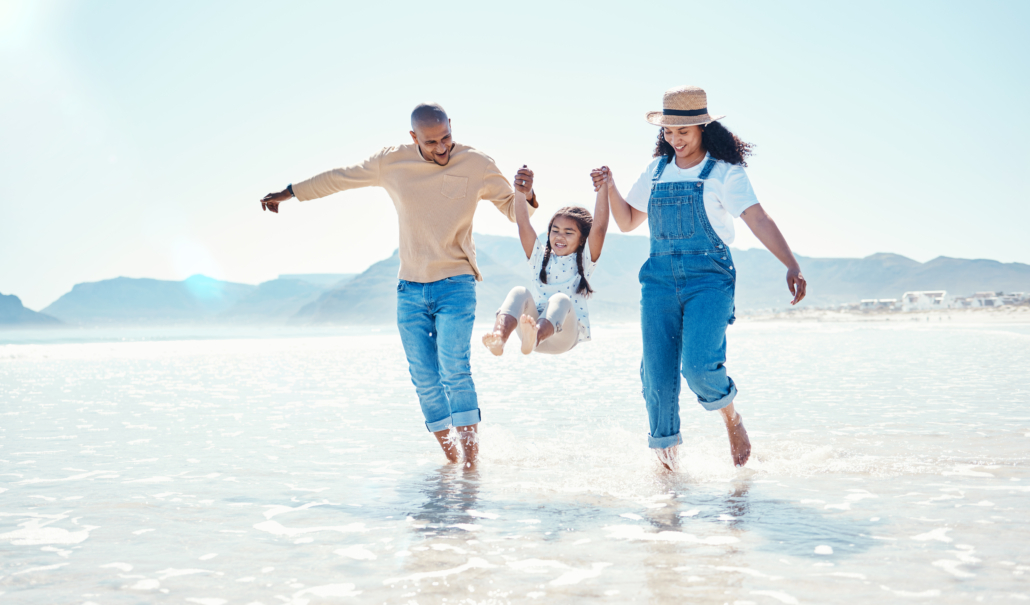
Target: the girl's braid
pixel 584 287
pixel 547 256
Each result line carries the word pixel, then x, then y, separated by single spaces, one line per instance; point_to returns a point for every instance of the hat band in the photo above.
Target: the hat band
pixel 685 112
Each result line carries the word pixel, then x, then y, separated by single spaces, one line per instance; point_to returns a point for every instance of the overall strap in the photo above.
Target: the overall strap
pixel 709 165
pixel 659 169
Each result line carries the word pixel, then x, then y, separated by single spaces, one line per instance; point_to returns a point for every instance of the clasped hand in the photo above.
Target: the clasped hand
pixel 601 176
pixel 524 181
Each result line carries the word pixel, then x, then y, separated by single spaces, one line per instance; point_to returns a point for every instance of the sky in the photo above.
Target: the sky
pixel 136 138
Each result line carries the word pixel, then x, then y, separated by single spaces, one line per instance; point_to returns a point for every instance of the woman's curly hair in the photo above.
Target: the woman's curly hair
pixel 717 140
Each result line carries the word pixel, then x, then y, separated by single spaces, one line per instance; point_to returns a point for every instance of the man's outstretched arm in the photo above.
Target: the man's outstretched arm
pixel 365 174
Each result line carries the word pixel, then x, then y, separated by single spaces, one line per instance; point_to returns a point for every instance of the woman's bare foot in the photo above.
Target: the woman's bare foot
pixel 494 341
pixel 469 438
pixel 528 330
pixel 740 445
pixel 449 444
pixel 668 457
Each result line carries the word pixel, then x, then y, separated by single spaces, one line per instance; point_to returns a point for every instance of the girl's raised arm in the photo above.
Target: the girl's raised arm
pixel 626 217
pixel 600 226
pixel 526 234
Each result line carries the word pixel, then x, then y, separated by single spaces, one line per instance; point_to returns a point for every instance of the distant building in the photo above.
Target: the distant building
pixel 924 300
pixel 986 299
pixel 878 304
pixel 930 300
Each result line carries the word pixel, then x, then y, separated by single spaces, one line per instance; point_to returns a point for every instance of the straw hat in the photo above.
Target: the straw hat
pixel 683 106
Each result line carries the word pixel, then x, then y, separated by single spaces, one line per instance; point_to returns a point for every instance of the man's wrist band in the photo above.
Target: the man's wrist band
pixel 290 189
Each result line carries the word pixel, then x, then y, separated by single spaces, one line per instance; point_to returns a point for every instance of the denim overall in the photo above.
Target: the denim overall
pixel 687 287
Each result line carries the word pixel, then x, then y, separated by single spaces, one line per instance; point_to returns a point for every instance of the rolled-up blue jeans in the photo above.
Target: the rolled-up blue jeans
pixel 686 304
pixel 435 321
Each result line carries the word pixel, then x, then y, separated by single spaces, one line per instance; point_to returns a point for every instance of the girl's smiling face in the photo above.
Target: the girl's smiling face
pixel 565 236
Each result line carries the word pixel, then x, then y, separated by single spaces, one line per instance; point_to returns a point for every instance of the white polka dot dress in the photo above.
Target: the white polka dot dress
pixel 563 277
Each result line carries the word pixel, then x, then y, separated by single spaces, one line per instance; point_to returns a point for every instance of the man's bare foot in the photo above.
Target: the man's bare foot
pixel 668 457
pixel 528 330
pixel 494 341
pixel 469 438
pixel 449 444
pixel 740 445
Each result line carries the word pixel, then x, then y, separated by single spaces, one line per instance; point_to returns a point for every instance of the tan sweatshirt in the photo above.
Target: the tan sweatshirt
pixel 435 204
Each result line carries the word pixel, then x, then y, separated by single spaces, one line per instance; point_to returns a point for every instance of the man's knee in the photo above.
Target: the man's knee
pixel 456 373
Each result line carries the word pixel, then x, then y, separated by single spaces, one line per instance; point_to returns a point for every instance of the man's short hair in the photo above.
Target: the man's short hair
pixel 428 114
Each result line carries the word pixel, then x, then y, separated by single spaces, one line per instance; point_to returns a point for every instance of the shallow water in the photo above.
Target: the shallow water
pixel 890 462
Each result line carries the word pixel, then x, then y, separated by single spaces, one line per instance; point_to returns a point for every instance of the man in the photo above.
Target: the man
pixel 435 185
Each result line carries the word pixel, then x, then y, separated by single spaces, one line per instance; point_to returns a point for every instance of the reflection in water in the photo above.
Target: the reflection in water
pixel 776 525
pixel 677 569
pixel 729 510
pixel 450 493
pixel 444 547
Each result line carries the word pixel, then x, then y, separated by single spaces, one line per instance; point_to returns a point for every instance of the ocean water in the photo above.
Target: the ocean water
pixel 891 462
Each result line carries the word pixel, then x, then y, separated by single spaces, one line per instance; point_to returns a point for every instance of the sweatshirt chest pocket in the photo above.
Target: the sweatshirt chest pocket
pixel 454 187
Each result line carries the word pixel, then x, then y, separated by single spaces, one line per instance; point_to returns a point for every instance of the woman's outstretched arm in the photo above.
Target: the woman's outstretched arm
pixel 626 217
pixel 600 226
pixel 762 225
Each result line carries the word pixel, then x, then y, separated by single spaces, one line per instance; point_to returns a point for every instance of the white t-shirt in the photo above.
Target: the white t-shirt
pixel 728 191
pixel 563 277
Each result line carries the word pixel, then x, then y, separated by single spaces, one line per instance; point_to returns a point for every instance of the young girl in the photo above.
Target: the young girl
pixel 552 317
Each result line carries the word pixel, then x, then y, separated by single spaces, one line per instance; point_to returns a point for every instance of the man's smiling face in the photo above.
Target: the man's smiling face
pixel 434 140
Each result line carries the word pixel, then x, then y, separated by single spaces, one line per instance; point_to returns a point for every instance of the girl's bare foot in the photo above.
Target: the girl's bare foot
pixel 494 341
pixel 667 457
pixel 503 327
pixel 740 445
pixel 528 330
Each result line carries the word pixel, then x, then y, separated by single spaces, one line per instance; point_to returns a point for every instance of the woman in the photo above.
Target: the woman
pixel 691 193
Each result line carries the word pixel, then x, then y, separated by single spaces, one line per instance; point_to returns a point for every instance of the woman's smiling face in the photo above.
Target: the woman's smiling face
pixel 565 236
pixel 686 140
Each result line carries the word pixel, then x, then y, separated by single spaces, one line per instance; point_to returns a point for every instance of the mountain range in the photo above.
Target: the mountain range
pixel 125 300
pixel 369 297
pixel 12 312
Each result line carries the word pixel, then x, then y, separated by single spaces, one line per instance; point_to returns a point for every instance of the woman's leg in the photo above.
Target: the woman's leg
pixel 561 325
pixel 706 315
pixel 661 322
pixel 516 304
